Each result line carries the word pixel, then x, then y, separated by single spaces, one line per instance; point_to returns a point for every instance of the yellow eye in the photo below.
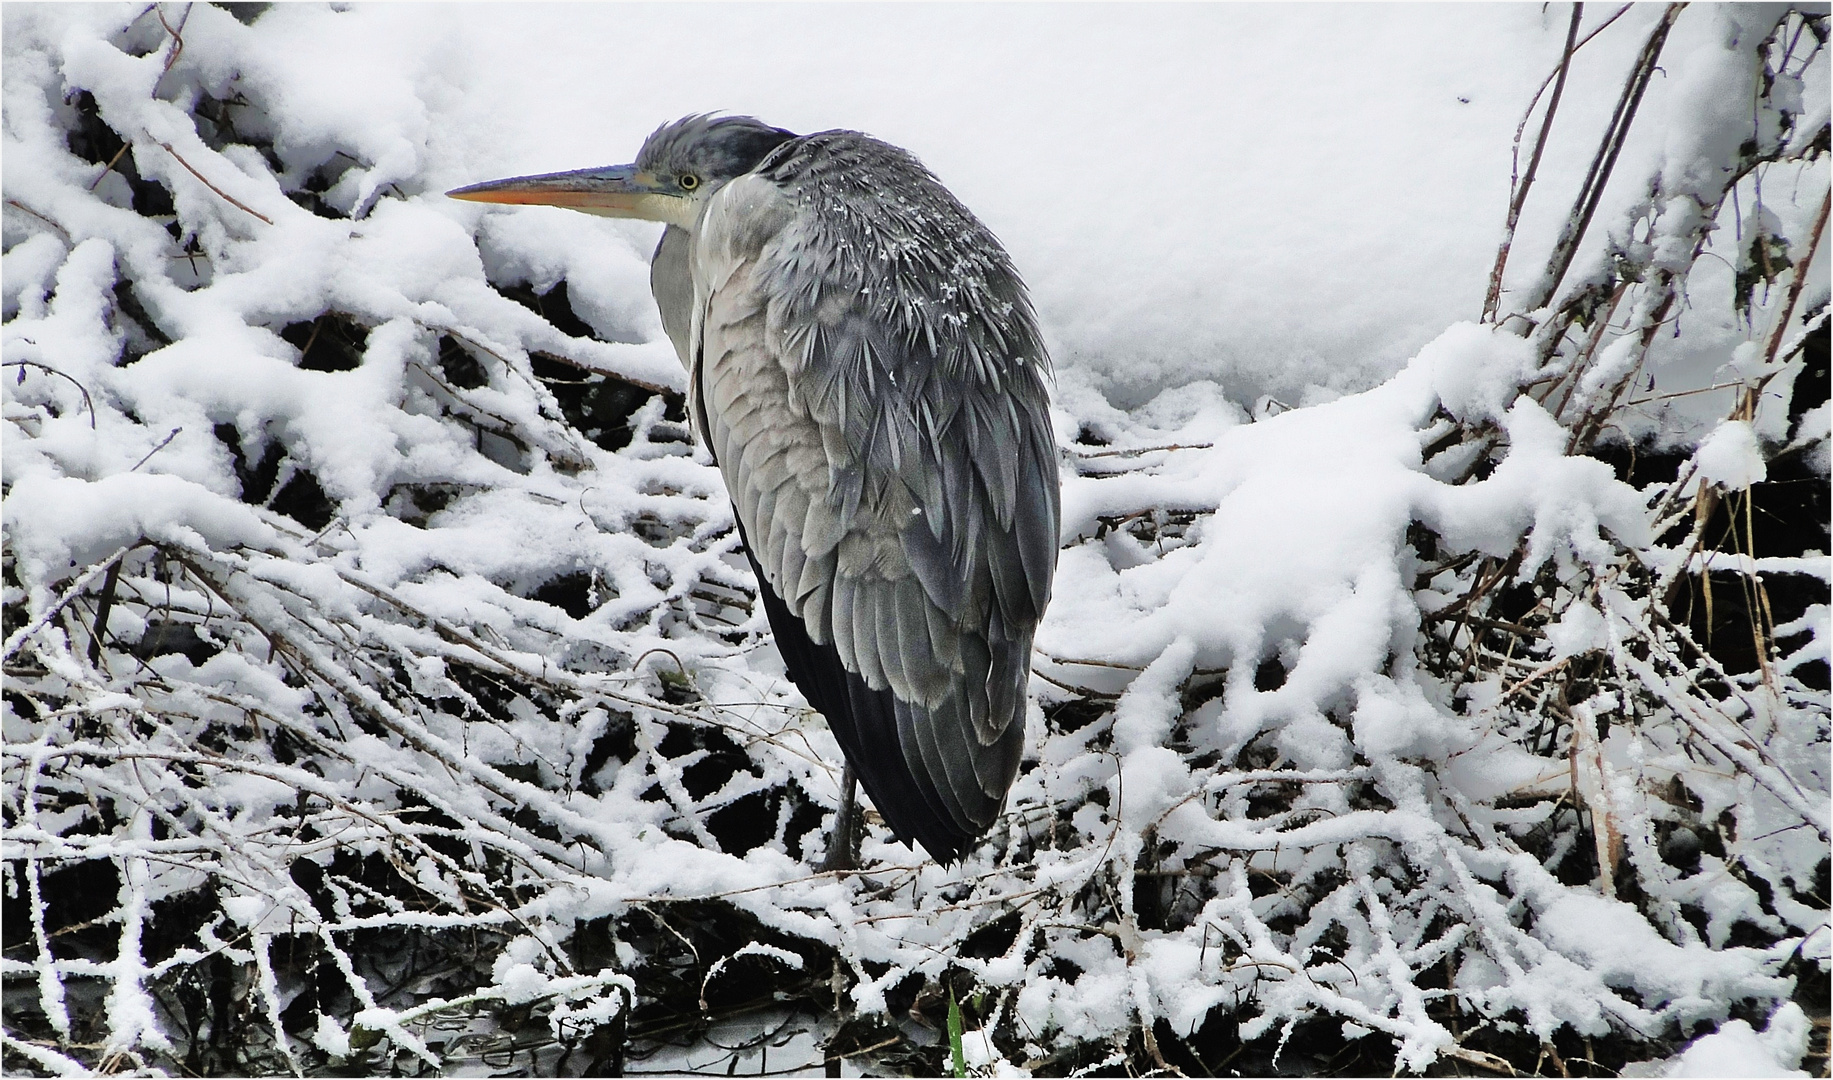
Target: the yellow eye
pixel 688 181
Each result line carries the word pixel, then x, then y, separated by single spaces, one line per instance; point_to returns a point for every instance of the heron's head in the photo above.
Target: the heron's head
pixel 679 167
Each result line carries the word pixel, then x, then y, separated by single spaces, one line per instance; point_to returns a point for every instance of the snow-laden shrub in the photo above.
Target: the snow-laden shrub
pixel 384 690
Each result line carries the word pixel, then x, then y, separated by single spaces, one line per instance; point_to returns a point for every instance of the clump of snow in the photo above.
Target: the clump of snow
pixel 1477 371
pixel 1580 630
pixel 1738 1050
pixel 331 1037
pixel 1731 456
pixel 245 909
pixel 757 948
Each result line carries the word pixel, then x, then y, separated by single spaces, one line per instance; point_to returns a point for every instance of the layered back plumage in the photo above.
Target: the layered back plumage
pixel 868 372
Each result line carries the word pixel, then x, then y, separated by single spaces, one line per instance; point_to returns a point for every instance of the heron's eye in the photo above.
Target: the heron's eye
pixel 688 181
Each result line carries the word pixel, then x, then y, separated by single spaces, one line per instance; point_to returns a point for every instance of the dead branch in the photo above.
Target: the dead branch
pixel 88 402
pixel 231 199
pixel 1616 133
pixel 1519 189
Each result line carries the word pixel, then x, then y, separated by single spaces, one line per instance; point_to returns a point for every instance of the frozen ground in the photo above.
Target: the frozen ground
pixel 1368 702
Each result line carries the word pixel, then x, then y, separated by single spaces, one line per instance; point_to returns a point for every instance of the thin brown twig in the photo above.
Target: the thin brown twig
pixel 1537 674
pixel 1603 26
pixel 1591 425
pixel 1801 276
pixel 880 1045
pixel 108 168
pixel 178 43
pixel 1490 624
pixel 103 608
pixel 1081 691
pixel 1714 388
pixel 17 205
pixel 470 412
pixel 1520 189
pixel 572 362
pixel 231 199
pixel 87 400
pixel 162 445
pixel 1603 162
pixel 1482 1059
pixel 1528 113
pixel 1134 451
pixel 1079 662
pixel 1590 350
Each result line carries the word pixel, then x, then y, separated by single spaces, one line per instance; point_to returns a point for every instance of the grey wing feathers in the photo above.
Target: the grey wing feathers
pixel 671 282
pixel 882 424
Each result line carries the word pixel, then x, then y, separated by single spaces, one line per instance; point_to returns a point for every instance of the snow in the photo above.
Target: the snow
pixel 757 948
pixel 1580 630
pixel 1143 289
pixel 331 1037
pixel 58 523
pixel 1255 237
pixel 1731 456
pixel 1477 373
pixel 1737 1050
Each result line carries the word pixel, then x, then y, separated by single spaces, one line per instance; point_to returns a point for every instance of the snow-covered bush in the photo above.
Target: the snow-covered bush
pixel 384 689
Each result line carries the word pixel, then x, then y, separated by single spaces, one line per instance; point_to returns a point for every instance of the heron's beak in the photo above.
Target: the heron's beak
pixel 621 191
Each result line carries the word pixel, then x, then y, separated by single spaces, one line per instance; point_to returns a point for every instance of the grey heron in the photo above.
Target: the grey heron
pixel 865 368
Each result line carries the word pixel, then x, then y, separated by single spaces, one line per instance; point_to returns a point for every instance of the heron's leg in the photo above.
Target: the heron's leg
pixel 844 841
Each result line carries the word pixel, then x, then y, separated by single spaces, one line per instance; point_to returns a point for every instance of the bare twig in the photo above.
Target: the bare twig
pixel 23 208
pixel 470 339
pixel 1482 1059
pixel 18 637
pixel 1519 190
pixel 1080 691
pixel 108 168
pixel 163 443
pixel 88 402
pixel 102 609
pixel 1135 451
pixel 1794 287
pixel 177 47
pixel 1603 162
pixel 231 199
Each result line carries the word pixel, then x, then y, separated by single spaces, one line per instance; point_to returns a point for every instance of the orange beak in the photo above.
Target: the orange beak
pixel 621 191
